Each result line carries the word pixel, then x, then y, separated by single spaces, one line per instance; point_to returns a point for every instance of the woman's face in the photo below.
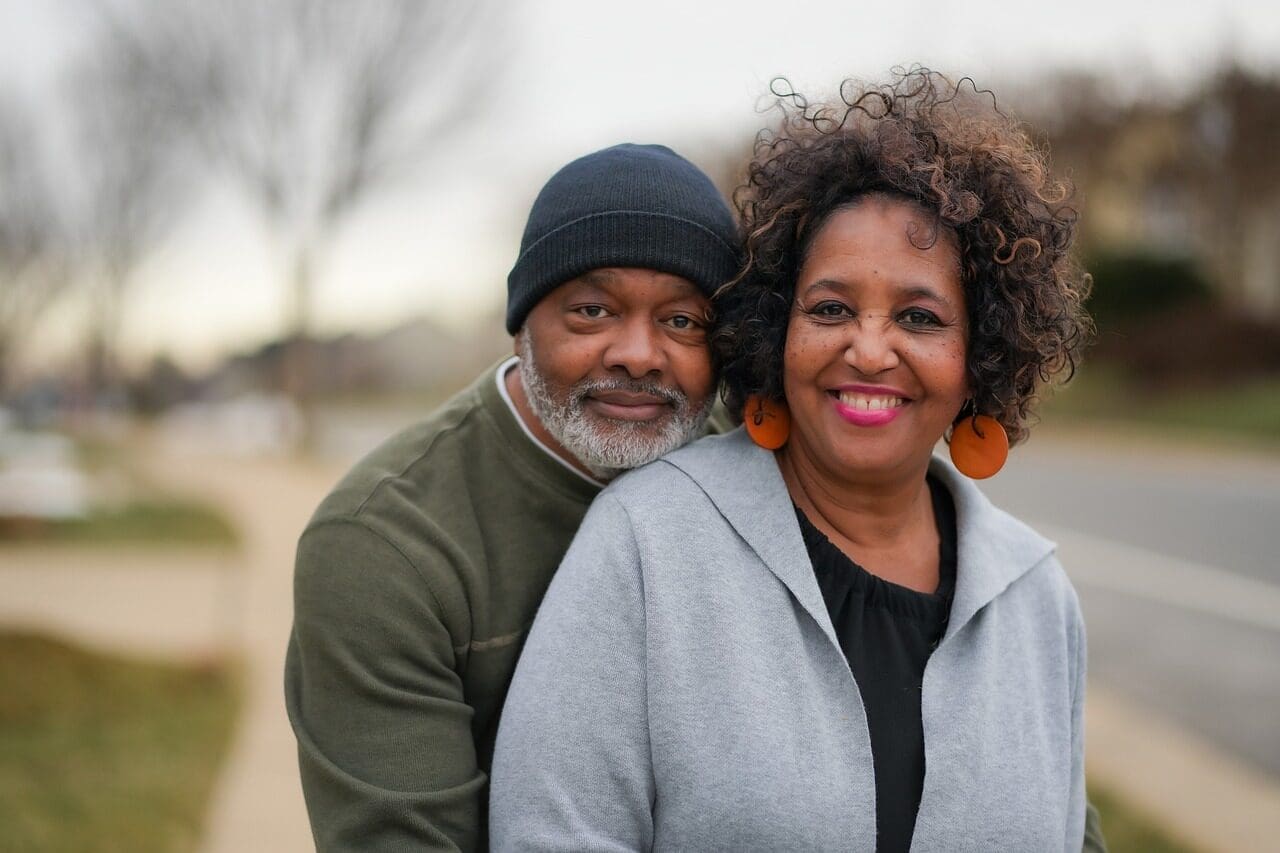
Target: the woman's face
pixel 874 366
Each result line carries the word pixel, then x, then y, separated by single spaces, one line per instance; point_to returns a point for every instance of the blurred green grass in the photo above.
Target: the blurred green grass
pixel 152 521
pixel 101 754
pixel 1129 831
pixel 1245 412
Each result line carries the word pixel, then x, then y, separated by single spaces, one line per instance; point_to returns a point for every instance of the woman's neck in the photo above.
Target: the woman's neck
pixel 885 524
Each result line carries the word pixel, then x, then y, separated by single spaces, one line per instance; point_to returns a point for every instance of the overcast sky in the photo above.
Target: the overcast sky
pixel 579 75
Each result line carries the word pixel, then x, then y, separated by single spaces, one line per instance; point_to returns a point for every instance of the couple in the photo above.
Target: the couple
pixel 732 654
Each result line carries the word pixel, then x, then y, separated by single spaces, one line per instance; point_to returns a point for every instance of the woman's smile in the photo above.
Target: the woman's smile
pixel 866 406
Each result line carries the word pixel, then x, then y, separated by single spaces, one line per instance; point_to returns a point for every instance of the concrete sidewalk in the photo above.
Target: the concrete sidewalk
pixel 257 803
pixel 174 603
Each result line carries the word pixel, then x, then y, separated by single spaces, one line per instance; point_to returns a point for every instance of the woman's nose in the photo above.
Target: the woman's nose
pixel 872 346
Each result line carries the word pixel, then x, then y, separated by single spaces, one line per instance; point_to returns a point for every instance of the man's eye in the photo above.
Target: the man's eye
pixel 592 312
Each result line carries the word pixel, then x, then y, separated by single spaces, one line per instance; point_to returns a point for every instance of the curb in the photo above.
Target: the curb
pixel 1196 791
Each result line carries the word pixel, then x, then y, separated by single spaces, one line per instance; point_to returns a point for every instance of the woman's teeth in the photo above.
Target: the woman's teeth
pixel 866 403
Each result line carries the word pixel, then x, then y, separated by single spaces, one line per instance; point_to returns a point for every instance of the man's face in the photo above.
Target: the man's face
pixel 616 365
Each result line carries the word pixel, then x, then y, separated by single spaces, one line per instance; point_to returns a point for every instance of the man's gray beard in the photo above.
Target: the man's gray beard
pixel 606 446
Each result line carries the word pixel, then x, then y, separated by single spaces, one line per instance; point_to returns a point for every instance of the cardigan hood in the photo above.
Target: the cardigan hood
pixel 995 548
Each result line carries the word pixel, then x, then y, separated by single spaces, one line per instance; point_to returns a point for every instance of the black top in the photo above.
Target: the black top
pixel 887 633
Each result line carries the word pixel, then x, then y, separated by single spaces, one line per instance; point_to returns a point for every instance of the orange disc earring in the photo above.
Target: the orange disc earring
pixel 979 446
pixel 768 422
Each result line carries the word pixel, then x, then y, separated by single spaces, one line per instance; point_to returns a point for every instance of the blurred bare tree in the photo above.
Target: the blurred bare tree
pixel 312 105
pixel 132 181
pixel 1190 176
pixel 1235 129
pixel 32 268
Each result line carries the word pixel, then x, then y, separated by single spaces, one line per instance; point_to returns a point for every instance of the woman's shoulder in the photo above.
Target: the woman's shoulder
pixel 713 461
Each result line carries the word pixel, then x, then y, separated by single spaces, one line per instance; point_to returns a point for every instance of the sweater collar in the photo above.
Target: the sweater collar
pixel 745 485
pixel 525 450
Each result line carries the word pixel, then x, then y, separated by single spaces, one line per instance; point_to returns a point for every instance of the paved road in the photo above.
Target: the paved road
pixel 1171 552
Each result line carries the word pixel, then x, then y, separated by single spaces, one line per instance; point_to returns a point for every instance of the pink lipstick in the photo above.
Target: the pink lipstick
pixel 868 406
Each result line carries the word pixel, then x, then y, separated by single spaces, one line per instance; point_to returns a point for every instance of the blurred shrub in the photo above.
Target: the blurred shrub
pixel 148 522
pixel 1160 323
pixel 1131 286
pixel 1193 345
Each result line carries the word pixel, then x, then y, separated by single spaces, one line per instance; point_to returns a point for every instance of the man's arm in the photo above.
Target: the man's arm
pixel 384 733
pixel 1093 840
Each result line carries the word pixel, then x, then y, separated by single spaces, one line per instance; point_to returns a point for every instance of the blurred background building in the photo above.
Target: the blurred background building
pixel 242 242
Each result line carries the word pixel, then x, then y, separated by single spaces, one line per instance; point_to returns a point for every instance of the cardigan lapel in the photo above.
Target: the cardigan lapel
pixel 742 480
pixel 745 485
pixel 993 549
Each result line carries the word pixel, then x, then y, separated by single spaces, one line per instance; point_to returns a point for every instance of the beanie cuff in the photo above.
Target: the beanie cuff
pixel 620 238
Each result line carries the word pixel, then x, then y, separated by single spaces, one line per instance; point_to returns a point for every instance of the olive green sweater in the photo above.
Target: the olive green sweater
pixel 415 583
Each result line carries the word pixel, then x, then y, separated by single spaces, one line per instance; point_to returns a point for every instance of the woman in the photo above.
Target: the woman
pixel 764 640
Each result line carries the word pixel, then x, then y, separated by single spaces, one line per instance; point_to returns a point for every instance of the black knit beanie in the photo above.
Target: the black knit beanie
pixel 626 206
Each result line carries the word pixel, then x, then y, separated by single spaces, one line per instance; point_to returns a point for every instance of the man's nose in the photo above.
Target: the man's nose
pixel 872 346
pixel 636 348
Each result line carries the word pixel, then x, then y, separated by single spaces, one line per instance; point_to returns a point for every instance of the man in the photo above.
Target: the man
pixel 418 576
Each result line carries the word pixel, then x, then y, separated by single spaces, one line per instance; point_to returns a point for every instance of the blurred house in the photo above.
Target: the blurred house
pixel 39 477
pixel 418 356
pixel 1196 178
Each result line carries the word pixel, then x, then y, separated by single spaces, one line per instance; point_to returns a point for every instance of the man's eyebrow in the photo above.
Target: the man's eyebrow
pixel 598 276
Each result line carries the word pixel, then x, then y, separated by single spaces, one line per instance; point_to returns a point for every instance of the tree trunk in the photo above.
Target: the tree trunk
pixel 298 356
pixel 104 375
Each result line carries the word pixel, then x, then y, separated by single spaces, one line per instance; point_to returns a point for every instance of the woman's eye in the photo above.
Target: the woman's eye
pixel 830 310
pixel 920 317
pixel 683 322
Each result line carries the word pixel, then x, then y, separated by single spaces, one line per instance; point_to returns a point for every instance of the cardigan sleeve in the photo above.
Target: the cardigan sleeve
pixel 572 767
pixel 1079 831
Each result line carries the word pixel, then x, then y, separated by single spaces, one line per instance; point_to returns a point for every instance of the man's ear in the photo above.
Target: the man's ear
pixel 515 342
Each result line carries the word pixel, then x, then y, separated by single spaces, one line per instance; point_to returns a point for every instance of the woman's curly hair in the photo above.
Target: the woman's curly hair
pixel 950 151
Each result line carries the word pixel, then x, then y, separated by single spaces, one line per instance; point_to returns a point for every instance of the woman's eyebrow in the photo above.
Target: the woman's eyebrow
pixel 828 284
pixel 920 291
pixel 912 291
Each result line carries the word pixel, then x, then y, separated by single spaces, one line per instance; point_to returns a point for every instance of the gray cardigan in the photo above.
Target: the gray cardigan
pixel 682 686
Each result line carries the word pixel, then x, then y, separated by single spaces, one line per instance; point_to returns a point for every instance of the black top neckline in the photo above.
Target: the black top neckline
pixel 884 594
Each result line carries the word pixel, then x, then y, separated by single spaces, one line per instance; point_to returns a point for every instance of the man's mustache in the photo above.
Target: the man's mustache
pixel 589 387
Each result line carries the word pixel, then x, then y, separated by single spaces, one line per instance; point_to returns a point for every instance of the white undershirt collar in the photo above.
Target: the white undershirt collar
pixel 501 378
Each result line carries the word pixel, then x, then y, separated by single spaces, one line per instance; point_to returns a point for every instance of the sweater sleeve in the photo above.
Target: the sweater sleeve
pixel 572 767
pixel 384 733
